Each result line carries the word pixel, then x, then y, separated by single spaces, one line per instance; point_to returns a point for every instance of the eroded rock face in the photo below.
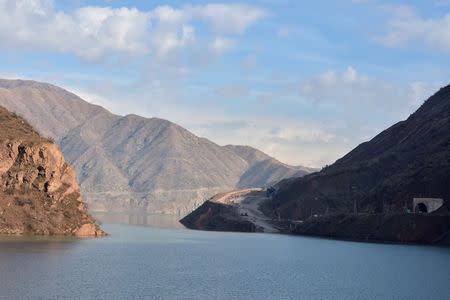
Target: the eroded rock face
pixel 38 190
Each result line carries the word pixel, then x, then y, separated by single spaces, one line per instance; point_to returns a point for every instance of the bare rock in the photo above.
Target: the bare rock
pixel 38 189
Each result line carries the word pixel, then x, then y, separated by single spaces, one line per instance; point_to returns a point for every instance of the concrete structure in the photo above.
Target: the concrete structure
pixel 427 205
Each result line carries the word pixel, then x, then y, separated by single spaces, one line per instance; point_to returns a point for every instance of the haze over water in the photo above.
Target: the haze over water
pixel 153 263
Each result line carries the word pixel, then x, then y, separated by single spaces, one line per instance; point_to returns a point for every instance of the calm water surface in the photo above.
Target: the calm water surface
pixel 153 263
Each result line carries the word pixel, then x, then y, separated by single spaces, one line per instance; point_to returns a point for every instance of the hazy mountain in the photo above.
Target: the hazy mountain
pixel 263 169
pixel 131 163
pixel 409 159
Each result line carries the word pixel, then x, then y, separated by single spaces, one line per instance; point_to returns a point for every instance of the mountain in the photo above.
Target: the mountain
pixel 263 170
pixel 132 163
pixel 367 195
pixel 38 190
pixel 409 159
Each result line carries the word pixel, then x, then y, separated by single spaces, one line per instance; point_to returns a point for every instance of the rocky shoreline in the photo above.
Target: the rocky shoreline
pixel 426 229
pixel 220 213
pixel 230 212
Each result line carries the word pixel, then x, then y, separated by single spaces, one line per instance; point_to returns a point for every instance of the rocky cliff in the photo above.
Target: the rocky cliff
pixel 38 190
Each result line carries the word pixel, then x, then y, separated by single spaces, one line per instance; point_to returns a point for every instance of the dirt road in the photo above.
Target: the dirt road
pixel 247 202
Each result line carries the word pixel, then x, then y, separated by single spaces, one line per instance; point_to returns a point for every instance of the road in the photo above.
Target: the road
pixel 247 201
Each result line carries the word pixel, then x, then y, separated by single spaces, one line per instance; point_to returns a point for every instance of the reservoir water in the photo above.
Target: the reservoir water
pixel 141 262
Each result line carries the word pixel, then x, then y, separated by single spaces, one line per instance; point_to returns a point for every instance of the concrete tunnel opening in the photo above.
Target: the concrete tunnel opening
pixel 421 208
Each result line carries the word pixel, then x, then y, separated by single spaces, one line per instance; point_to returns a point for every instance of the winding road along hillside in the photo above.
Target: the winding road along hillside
pixel 237 210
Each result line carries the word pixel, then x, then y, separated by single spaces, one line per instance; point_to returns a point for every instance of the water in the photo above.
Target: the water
pixel 157 221
pixel 141 262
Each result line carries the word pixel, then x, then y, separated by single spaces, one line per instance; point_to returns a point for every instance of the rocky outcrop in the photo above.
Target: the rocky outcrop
pixel 215 216
pixel 38 190
pixel 221 213
pixel 237 210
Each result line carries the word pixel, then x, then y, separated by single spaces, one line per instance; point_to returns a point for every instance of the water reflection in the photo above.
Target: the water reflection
pixel 157 221
pixel 139 262
pixel 37 238
pixel 35 244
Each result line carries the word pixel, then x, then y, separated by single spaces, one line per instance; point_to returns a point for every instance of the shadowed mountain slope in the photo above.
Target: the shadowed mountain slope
pixel 409 159
pixel 263 170
pixel 132 163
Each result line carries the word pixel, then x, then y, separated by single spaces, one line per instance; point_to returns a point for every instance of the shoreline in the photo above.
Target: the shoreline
pixel 239 211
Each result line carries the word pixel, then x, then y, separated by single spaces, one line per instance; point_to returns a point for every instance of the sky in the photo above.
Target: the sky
pixel 304 81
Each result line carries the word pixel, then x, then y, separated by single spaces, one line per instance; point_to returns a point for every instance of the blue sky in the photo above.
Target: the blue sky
pixel 304 81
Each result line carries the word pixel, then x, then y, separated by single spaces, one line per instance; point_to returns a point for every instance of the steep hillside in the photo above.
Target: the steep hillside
pixel 51 110
pixel 263 170
pixel 233 211
pixel 38 190
pixel 410 159
pixel 131 163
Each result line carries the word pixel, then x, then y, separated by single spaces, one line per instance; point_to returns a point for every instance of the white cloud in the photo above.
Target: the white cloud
pixel 291 141
pixel 406 27
pixel 167 14
pixel 10 75
pixel 206 52
pixel 350 75
pixel 90 32
pixel 221 45
pixel 232 91
pixel 93 33
pixel 166 41
pixel 230 18
pixel 420 91
pixel 362 95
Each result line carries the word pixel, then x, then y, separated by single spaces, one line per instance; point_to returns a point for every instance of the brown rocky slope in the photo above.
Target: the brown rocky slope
pixel 221 213
pixel 38 190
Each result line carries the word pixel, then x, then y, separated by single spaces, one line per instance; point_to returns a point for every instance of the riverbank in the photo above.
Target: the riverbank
pixel 240 211
pixel 395 228
pixel 224 212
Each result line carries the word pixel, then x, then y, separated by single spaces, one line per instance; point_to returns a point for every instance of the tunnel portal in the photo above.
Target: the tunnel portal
pixel 421 208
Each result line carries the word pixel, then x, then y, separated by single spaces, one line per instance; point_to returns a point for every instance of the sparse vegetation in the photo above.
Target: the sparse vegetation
pixel 25 193
pixel 15 127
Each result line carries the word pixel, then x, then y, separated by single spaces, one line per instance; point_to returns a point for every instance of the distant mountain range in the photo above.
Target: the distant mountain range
pixel 409 159
pixel 136 164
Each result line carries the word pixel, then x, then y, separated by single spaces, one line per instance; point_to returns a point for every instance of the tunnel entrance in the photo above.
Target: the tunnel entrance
pixel 421 208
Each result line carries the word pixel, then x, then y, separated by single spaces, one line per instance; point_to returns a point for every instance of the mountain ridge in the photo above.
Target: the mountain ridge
pixel 373 193
pixel 133 163
pixel 409 159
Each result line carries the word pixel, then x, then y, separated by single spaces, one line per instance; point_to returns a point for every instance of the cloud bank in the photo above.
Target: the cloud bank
pixel 93 33
pixel 407 28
